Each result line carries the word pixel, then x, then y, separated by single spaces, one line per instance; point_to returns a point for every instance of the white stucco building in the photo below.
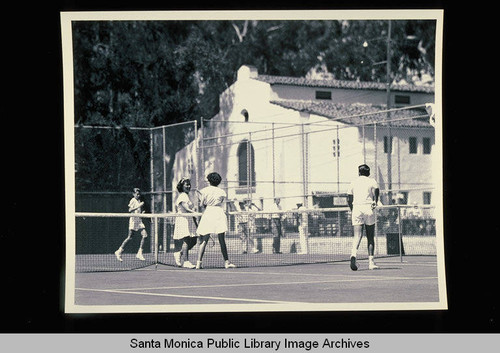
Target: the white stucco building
pixel 305 139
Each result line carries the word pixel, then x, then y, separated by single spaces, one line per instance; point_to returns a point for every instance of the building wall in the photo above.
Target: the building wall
pixel 411 173
pixel 349 96
pixel 282 165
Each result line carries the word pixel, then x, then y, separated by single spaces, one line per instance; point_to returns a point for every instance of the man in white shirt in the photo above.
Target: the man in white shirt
pixel 362 200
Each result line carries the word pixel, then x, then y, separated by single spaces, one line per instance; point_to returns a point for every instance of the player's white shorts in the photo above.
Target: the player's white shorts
pixel 135 223
pixel 363 214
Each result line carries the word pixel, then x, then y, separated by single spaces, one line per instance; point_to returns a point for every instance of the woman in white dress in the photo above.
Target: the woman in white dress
pixel 185 227
pixel 213 220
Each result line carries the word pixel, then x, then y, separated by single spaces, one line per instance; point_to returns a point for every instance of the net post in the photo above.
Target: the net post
pixel 400 234
pixel 375 231
pixel 375 150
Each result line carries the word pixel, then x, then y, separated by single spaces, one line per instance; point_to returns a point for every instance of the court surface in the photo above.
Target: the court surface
pixel 415 280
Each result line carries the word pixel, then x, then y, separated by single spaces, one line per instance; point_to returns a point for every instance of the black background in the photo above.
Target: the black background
pixel 32 239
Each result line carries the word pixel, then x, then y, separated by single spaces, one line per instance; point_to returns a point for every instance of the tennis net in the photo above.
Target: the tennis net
pixel 253 238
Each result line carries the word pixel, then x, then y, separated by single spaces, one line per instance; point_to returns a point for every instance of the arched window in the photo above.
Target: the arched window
pixel 246 164
pixel 244 112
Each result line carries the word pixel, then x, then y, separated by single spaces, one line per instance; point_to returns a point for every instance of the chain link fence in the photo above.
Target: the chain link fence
pixel 314 162
pixel 308 164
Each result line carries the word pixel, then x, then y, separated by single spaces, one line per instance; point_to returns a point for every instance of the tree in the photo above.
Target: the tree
pixel 149 73
pixel 153 73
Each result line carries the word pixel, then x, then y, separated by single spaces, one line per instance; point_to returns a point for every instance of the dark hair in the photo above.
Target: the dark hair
pixel 363 169
pixel 136 190
pixel 180 184
pixel 214 178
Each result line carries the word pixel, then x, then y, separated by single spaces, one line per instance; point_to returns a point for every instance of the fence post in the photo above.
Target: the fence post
pixel 337 153
pixel 376 150
pixel 274 168
pixel 195 154
pixel 364 143
pixel 164 152
pixel 156 242
pixel 151 174
pixel 202 162
pixel 400 234
pixel 249 167
pixel 303 153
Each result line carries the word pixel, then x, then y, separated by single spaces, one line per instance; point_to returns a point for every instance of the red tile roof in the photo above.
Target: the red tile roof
pixel 357 114
pixel 301 81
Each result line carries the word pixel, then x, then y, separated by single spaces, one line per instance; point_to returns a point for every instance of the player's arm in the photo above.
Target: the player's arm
pixel 132 209
pixel 255 206
pixel 376 193
pixel 201 200
pixel 350 199
pixel 186 207
pixel 350 196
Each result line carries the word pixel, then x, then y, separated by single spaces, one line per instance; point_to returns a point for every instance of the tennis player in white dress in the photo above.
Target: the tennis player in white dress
pixel 185 227
pixel 213 220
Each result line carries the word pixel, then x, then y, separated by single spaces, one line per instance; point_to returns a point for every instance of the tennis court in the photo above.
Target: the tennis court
pixel 414 280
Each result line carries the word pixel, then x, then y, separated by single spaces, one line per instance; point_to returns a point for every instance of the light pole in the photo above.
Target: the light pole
pixel 388 91
pixel 388 103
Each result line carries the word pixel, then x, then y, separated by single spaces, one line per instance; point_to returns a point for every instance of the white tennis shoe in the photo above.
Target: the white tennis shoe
pixel 140 256
pixel 177 257
pixel 188 264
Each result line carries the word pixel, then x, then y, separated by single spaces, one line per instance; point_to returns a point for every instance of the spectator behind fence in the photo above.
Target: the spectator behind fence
pixel 276 225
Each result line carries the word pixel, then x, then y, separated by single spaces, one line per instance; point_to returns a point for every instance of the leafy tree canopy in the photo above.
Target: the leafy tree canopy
pixel 151 73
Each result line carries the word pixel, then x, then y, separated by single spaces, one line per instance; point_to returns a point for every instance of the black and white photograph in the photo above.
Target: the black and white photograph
pixel 253 161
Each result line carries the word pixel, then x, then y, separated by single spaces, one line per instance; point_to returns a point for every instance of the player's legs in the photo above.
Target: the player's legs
pixel 144 235
pixel 191 242
pixel 362 215
pixel 358 235
pixel 370 237
pixel 244 237
pixel 204 240
pixel 254 243
pixel 187 244
pixel 277 238
pixel 178 248
pixel 127 239
pixel 118 253
pixel 223 248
